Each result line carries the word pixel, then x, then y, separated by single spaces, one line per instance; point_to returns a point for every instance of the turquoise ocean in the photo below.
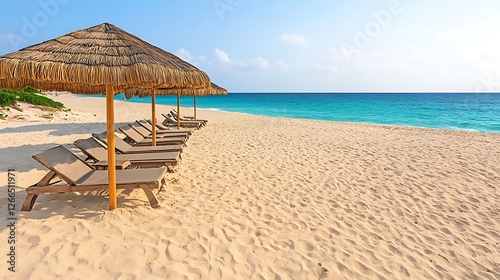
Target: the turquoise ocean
pixel 456 111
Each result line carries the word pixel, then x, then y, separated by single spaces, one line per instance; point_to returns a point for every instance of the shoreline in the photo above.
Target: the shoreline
pixel 259 196
pixel 451 126
pixel 184 108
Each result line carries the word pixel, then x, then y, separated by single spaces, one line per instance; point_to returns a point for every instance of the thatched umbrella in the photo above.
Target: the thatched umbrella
pixel 99 59
pixel 212 90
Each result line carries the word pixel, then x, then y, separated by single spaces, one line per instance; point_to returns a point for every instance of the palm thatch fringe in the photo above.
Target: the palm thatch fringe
pixel 143 92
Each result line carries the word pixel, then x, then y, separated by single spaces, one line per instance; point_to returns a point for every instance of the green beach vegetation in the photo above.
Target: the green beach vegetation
pixel 9 98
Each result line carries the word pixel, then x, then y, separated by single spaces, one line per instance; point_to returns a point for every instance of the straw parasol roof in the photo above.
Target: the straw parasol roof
pixel 87 60
pixel 142 92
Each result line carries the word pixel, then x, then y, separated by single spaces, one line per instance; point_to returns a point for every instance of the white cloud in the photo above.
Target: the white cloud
pixel 336 53
pixel 395 57
pixel 222 56
pixel 294 39
pixel 184 55
pixel 187 56
pixel 282 64
pixel 247 64
pixel 259 62
pixel 414 68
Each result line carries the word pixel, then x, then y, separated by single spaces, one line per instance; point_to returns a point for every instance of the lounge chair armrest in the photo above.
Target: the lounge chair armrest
pixel 120 164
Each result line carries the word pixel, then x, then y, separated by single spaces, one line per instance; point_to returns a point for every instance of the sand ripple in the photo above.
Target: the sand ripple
pixel 270 198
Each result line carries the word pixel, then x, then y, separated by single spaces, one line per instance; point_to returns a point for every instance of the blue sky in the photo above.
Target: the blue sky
pixel 297 46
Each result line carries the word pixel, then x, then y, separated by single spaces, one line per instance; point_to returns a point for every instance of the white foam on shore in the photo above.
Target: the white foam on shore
pixel 211 109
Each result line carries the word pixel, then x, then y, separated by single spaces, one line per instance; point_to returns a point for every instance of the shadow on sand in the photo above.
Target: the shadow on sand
pixel 19 157
pixel 68 205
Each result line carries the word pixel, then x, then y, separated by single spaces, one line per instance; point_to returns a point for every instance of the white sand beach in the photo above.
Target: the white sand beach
pixel 264 198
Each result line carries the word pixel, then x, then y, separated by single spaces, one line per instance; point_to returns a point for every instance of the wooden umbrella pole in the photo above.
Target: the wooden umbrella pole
pixel 153 117
pixel 110 125
pixel 178 109
pixel 195 106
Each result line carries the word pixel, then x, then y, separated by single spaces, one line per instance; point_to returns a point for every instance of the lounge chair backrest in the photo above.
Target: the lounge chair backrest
pixel 169 117
pixel 140 129
pixel 101 136
pixel 131 133
pixel 158 125
pixel 161 126
pixel 142 122
pixel 67 165
pixel 146 125
pixel 120 144
pixel 92 148
pixel 166 121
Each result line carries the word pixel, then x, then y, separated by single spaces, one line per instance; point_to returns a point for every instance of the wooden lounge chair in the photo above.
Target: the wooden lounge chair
pixel 169 120
pixel 136 139
pixel 162 128
pixel 95 151
pixel 146 133
pixel 80 177
pixel 124 148
pixel 175 115
pixel 185 117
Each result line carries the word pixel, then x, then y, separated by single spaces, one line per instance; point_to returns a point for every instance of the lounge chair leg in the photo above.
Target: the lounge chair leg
pixel 29 201
pixel 153 200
